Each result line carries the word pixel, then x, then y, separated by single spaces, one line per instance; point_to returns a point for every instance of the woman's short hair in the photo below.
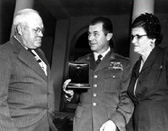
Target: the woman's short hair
pixel 150 23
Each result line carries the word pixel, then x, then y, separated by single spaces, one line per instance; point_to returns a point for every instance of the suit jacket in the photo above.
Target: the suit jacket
pixel 26 93
pixel 151 96
pixel 107 97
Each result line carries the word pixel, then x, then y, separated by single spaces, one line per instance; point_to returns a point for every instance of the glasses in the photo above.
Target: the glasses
pixel 37 30
pixel 137 36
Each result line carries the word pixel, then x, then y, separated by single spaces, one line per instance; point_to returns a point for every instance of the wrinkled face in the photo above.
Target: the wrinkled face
pixel 142 44
pixel 98 41
pixel 32 32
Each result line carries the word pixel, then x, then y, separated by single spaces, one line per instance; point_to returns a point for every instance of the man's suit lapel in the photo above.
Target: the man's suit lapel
pixel 27 58
pixel 41 55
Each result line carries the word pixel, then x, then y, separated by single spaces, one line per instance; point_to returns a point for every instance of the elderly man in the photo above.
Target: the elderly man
pixel 26 91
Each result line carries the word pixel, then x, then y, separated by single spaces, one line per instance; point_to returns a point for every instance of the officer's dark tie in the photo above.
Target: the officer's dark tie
pixel 98 59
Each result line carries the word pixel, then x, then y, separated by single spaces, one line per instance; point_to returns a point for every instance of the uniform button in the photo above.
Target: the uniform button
pixel 114 76
pixel 94 94
pixel 95 85
pixel 95 76
pixel 94 104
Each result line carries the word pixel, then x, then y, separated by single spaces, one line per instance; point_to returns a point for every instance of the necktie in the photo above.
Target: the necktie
pixel 98 59
pixel 38 59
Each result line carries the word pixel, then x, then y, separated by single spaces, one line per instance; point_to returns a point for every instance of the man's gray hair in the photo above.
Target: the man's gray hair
pixel 23 16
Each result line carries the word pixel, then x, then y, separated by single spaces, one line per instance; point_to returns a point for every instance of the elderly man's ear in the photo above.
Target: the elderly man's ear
pixel 19 29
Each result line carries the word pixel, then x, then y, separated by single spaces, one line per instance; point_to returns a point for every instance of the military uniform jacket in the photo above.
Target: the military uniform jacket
pixel 107 97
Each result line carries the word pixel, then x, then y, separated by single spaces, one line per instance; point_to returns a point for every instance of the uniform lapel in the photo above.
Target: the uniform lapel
pixel 106 60
pixel 90 59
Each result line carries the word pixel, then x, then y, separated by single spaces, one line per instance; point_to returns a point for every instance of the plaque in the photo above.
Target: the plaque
pixel 79 75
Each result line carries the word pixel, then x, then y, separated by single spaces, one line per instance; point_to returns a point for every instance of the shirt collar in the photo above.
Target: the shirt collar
pixel 103 54
pixel 20 42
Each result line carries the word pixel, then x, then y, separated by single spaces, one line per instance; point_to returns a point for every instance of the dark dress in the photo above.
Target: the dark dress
pixel 151 96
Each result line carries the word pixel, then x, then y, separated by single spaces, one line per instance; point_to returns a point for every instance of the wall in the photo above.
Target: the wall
pixel 6 17
pixel 164 23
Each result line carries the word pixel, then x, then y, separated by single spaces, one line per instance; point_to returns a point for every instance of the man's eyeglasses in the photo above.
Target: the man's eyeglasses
pixel 137 36
pixel 37 30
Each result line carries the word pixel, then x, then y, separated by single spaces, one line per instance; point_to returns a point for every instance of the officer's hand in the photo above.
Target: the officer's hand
pixel 108 126
pixel 68 93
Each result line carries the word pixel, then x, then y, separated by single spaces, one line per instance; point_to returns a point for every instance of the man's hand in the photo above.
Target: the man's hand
pixel 68 93
pixel 108 126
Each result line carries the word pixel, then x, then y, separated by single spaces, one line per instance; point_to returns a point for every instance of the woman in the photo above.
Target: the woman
pixel 148 86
